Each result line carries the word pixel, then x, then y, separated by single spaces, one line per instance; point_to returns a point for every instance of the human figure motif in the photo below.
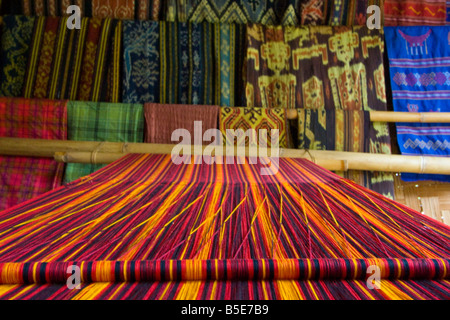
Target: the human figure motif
pixel 348 83
pixel 278 90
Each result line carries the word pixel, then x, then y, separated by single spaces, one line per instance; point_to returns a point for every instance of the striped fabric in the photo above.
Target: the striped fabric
pixel 163 119
pixel 23 178
pixel 415 12
pixel 145 228
pixel 419 61
pixel 15 43
pixel 89 121
pixel 75 64
pixel 183 63
pixel 253 119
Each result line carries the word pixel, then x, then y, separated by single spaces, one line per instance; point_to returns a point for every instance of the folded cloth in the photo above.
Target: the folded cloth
pixel 91 121
pixel 23 178
pixel 163 119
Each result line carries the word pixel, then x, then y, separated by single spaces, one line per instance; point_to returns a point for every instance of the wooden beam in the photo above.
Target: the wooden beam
pixel 388 116
pixel 107 152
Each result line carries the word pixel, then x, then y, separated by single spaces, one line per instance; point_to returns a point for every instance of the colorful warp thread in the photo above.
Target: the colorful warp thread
pixel 15 43
pixel 23 178
pixel 414 12
pixel 162 120
pixel 419 60
pixel 343 130
pixel 75 64
pixel 145 228
pixel 253 119
pixel 315 67
pixel 183 63
pixel 89 121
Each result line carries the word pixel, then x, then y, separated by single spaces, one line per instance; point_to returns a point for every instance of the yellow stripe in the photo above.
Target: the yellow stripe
pixel 34 57
pixel 58 57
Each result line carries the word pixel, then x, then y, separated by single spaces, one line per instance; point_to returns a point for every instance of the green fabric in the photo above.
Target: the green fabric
pixel 93 121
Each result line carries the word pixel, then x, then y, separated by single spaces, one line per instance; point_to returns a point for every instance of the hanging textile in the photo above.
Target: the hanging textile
pixel 235 11
pixel 15 43
pixel 146 228
pixel 414 12
pixel 173 63
pixel 187 70
pixel 162 120
pixel 419 61
pixel 23 178
pixel 315 67
pixel 141 61
pixel 312 12
pixel 253 119
pixel 89 121
pixel 345 130
pixel 229 45
pixel 347 12
pixel 75 64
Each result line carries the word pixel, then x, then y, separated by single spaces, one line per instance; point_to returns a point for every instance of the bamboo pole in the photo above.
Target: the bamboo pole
pixel 388 116
pixel 107 152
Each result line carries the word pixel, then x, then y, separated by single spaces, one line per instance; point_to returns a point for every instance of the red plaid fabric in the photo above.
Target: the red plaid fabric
pixel 22 178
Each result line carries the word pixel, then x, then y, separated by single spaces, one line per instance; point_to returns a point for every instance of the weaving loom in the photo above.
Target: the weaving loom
pixel 144 228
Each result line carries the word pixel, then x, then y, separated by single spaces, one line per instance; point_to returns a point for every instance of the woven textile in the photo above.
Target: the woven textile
pixel 162 120
pixel 344 130
pixel 23 178
pixel 347 12
pixel 419 60
pixel 15 43
pixel 253 119
pixel 89 121
pixel 229 44
pixel 75 64
pixel 145 228
pixel 414 12
pixel 183 63
pixel 315 67
pixel 141 61
pixel 114 9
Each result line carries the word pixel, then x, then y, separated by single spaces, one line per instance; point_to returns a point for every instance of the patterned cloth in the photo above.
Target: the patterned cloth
pixel 183 63
pixel 315 67
pixel 163 119
pixel 229 44
pixel 344 130
pixel 115 9
pixel 256 119
pixel 419 59
pixel 414 12
pixel 346 12
pixel 23 178
pixel 15 43
pixel 89 121
pixel 141 61
pixel 266 12
pixel 75 64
